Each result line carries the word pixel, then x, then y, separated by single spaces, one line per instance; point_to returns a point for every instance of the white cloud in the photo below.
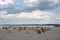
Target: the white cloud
pixel 36 15
pixel 28 5
pixel 26 9
pixel 58 18
pixel 9 16
pixel 3 12
pixel 42 4
pixel 31 15
pixel 6 2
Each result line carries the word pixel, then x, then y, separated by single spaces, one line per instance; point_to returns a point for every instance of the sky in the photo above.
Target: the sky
pixel 29 11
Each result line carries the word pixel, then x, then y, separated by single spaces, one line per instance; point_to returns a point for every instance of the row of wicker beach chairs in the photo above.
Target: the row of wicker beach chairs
pixel 39 30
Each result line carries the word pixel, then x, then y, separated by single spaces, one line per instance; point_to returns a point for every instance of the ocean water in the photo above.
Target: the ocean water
pixel 29 25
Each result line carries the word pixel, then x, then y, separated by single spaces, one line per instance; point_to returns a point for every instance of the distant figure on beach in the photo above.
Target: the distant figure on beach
pixel 38 31
pixel 42 29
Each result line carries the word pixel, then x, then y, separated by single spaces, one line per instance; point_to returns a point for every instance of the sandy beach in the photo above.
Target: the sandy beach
pixel 53 34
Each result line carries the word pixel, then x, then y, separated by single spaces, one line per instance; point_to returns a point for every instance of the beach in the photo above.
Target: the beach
pixel 53 34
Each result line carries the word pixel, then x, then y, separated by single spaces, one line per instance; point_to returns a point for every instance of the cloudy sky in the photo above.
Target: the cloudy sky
pixel 29 11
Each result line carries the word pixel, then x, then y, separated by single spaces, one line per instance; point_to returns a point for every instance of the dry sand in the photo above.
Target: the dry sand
pixel 53 34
